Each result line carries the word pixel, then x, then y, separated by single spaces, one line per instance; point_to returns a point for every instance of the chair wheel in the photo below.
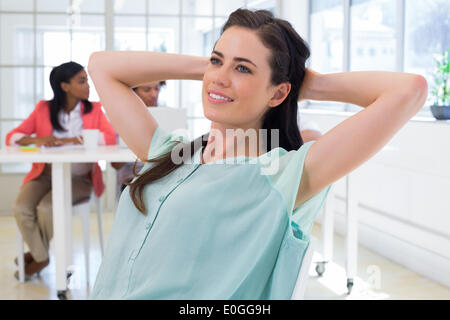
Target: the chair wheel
pixel 62 295
pixel 349 285
pixel 320 268
pixel 69 274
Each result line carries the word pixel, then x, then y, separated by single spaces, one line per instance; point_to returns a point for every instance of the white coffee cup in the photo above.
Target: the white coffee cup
pixel 90 138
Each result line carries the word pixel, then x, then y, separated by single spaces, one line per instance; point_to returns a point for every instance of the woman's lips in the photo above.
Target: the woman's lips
pixel 218 98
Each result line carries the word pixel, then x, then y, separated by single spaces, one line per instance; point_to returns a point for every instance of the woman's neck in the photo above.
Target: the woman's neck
pixel 227 142
pixel 71 103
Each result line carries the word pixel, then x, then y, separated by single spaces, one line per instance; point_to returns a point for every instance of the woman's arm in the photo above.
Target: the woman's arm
pixel 114 73
pixel 21 135
pixel 105 127
pixel 49 141
pixel 390 100
pixel 361 88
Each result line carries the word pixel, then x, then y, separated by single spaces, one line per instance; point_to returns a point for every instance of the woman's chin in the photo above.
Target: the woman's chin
pixel 213 115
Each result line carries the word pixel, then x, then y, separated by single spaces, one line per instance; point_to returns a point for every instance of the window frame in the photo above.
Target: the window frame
pixel 400 30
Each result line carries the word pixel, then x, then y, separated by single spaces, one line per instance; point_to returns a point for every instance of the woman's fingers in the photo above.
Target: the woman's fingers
pixel 54 143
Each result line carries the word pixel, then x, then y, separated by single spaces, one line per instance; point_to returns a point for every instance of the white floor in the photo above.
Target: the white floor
pixel 378 278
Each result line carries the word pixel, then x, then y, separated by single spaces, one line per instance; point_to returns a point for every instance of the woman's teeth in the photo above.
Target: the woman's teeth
pixel 215 96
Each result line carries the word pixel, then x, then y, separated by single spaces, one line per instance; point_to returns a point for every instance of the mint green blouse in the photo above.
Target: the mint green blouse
pixel 219 230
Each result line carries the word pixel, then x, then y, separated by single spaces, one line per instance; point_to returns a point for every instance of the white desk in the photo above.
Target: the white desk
pixel 61 159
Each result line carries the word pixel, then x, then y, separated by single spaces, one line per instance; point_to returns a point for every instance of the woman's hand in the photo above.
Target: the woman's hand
pixel 74 140
pixel 306 89
pixel 50 141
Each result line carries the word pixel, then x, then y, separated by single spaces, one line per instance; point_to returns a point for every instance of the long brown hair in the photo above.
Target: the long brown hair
pixel 287 62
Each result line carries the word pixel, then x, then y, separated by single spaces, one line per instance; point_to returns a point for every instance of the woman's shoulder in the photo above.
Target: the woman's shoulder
pixel 281 153
pixel 42 106
pixel 97 105
pixel 278 160
pixel 96 108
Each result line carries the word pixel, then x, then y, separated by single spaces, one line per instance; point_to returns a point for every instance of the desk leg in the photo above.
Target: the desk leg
pixel 62 223
pixel 352 230
pixel 20 258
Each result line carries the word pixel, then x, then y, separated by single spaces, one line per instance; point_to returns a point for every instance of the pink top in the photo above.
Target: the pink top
pixel 39 123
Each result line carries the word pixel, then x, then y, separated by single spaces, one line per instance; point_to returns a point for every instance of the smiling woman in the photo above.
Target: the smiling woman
pixel 239 75
pixel 236 212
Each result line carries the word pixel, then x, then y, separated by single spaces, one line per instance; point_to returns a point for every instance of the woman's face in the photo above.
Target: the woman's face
pixel 78 86
pixel 237 90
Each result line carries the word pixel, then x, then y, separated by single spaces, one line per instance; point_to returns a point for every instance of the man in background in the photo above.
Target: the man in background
pixel 149 94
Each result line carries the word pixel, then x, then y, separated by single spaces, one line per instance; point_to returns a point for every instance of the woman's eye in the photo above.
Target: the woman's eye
pixel 214 61
pixel 243 69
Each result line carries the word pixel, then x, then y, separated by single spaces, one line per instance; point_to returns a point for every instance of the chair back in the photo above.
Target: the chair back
pixel 303 274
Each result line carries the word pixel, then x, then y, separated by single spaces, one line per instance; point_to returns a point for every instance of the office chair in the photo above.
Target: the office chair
pixel 303 274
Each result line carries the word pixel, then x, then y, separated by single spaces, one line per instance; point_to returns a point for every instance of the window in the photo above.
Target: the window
pixel 327 44
pixel 372 28
pixel 36 36
pixel 137 26
pixel 426 35
pixel 374 38
pixel 327 21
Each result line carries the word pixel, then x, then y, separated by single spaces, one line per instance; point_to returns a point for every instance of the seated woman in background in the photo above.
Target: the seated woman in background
pixel 54 123
pixel 149 94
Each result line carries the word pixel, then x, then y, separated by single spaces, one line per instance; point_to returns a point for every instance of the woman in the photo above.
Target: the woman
pixel 54 123
pixel 237 230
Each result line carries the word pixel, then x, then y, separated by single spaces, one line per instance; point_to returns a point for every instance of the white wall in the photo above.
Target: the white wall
pixel 403 211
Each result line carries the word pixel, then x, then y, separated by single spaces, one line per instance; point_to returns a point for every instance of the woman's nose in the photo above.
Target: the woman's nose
pixel 222 77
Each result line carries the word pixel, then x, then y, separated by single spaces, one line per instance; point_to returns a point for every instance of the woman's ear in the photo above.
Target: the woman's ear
pixel 64 86
pixel 281 92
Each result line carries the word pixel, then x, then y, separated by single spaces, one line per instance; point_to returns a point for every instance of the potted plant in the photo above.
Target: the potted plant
pixel 440 90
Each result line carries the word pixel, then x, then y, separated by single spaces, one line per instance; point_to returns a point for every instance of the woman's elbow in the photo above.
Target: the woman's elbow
pixel 93 63
pixel 419 90
pixel 414 93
